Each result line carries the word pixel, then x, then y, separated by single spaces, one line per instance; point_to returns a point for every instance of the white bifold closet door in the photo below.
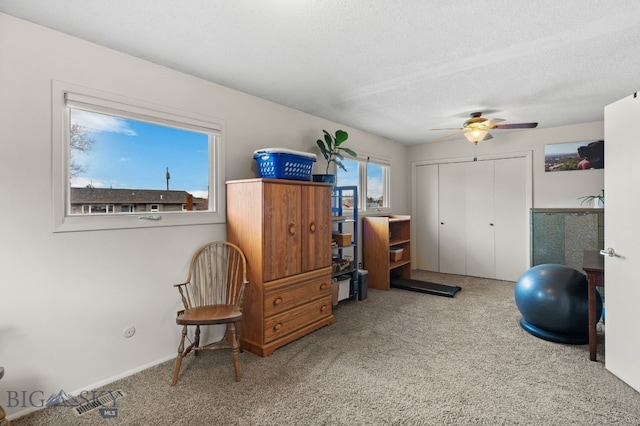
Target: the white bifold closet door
pixel 452 214
pixel 482 220
pixel 425 223
pixel 511 218
pixel 480 199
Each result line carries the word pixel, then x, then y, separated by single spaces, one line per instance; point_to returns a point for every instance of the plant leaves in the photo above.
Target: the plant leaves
pixel 349 151
pixel 341 136
pixel 329 140
pixel 323 150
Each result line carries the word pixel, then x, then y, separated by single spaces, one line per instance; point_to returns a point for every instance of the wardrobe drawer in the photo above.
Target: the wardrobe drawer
pixel 288 293
pixel 293 319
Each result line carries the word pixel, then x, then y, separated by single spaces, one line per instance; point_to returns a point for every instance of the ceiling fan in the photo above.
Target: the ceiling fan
pixel 476 128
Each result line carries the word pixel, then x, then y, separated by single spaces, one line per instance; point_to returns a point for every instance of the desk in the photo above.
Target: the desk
pixel 593 265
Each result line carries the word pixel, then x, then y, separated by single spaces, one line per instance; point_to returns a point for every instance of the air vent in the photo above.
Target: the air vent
pixel 101 401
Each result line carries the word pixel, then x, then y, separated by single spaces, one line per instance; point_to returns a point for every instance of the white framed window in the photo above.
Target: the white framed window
pixel 119 153
pixel 372 177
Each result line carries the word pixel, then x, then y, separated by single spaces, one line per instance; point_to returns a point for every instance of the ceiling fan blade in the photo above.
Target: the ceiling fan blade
pixel 516 126
pixel 450 135
pixel 448 128
pixel 493 121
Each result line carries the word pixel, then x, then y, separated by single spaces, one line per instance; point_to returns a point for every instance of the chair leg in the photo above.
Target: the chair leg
pixel 178 363
pixel 196 341
pixel 235 348
pixel 3 420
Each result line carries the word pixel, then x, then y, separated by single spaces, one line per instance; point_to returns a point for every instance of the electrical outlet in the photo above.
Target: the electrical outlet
pixel 129 331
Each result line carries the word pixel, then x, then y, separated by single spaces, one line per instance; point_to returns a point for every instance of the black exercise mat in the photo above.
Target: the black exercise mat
pixel 425 287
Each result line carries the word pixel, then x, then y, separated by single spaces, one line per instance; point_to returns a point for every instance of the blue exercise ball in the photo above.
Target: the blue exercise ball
pixel 553 301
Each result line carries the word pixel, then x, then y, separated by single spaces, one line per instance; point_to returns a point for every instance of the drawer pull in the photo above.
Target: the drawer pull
pixel 277 327
pixel 323 286
pixel 277 301
pixel 292 229
pixel 323 308
pixel 312 227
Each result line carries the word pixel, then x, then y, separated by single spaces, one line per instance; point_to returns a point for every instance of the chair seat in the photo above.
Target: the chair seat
pixel 211 314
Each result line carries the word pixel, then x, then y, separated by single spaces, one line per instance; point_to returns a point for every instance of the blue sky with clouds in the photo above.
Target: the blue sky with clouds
pixel 350 177
pixel 135 154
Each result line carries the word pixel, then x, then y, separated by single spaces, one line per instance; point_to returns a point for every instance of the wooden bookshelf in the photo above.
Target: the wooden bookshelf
pixel 380 234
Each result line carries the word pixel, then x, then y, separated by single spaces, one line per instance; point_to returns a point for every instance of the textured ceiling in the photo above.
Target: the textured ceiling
pixel 395 68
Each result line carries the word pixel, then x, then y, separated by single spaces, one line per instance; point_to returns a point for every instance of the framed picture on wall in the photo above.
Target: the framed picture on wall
pixel 582 155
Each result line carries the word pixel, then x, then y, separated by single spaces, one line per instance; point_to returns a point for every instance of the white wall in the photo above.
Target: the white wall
pixel 67 297
pixel 550 189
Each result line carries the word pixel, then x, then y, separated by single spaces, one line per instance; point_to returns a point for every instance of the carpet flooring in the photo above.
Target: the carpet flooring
pixel 397 358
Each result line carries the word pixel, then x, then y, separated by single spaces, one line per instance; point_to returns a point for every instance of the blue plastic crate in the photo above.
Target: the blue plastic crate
pixel 284 164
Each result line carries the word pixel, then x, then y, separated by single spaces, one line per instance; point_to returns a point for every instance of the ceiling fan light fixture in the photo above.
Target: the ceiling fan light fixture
pixel 476 136
pixel 477 127
pixel 476 120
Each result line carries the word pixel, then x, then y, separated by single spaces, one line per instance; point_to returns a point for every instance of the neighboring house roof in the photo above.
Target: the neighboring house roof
pixel 127 196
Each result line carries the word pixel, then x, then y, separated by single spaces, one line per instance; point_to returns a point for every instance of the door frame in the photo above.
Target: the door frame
pixel 528 155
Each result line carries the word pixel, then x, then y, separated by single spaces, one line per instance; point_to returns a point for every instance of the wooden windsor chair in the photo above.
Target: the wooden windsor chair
pixel 212 294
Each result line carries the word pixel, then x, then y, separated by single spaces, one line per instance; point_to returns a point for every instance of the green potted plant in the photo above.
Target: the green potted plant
pixel 332 150
pixel 593 200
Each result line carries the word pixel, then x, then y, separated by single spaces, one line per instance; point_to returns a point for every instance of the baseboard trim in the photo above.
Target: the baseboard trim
pixel 22 413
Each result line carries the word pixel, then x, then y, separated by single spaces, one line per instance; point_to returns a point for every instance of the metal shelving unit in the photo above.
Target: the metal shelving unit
pixel 344 211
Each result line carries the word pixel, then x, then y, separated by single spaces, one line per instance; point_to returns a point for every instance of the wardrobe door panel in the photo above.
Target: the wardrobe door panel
pixel 316 227
pixel 282 231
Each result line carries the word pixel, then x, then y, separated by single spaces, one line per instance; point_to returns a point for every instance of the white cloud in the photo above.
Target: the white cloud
pixel 83 182
pixel 374 187
pixel 101 123
pixel 199 194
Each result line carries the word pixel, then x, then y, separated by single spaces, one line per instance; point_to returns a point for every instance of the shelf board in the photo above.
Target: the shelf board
pixel 399 263
pixel 343 220
pixel 345 272
pixel 342 247
pixel 399 218
pixel 395 242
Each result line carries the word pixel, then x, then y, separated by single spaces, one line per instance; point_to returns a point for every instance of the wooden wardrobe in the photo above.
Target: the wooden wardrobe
pixel 284 229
